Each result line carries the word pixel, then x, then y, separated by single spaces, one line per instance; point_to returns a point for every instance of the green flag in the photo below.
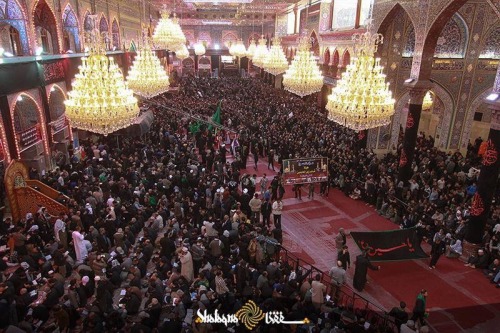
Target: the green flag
pixel 216 116
pixel 194 127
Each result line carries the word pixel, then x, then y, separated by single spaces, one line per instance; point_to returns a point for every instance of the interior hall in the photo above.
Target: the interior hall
pixel 203 166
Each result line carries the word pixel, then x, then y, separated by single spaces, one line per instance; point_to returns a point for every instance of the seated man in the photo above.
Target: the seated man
pixel 493 269
pixel 479 261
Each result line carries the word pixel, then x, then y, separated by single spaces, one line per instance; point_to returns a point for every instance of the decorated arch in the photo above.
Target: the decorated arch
pixel 27 119
pixel 13 32
pixel 56 99
pixel 452 42
pixel 115 33
pixel 71 30
pixel 46 31
pixel 88 24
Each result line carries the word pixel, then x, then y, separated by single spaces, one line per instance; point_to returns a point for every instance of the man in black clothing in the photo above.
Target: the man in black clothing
pixel 266 210
pixel 400 315
pixel 362 265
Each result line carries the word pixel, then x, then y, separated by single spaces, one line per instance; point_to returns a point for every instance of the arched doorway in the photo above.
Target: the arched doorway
pixel 326 62
pixel 335 64
pixel 58 125
pixel 104 31
pixel 71 31
pixel 88 24
pixel 13 35
pixel 115 34
pixel 30 134
pixel 314 44
pixel 45 28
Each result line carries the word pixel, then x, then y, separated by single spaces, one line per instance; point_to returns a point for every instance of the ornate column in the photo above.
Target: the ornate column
pixel 481 202
pixel 417 93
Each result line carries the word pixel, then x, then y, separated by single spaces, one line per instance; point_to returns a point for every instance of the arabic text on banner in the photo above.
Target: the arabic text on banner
pixel 305 170
pixel 401 244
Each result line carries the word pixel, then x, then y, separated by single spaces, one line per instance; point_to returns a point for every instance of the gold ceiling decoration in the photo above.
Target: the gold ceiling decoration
pixel 100 100
pixel 276 62
pixel 303 77
pixel 146 77
pixel 362 99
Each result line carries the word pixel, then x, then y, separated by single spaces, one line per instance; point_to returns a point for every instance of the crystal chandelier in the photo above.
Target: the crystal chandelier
pixel 168 33
pixel 251 49
pixel 146 77
pixel 232 48
pixel 276 62
pixel 303 77
pixel 428 101
pixel 261 53
pixel 182 53
pixel 239 49
pixel 362 99
pixel 100 100
pixel 199 49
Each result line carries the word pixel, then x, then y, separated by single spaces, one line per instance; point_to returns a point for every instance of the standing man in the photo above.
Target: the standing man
pixel 78 242
pixel 277 209
pixel 362 265
pixel 345 258
pixel 266 210
pixel 270 160
pixel 318 290
pixel 255 206
pixel 60 231
pixel 420 310
pixel 438 248
pixel 337 274
pixel 340 240
pixel 400 315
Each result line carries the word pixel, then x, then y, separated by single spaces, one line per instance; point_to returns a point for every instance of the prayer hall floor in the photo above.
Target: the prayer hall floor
pixel 460 299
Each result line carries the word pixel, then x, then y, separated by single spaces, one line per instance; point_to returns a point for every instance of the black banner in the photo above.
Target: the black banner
pixel 390 245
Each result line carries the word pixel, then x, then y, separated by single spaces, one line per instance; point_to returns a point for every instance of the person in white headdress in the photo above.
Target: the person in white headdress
pixel 187 270
pixel 80 247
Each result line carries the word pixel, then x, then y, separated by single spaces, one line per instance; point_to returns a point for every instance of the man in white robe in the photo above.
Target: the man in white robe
pixel 80 248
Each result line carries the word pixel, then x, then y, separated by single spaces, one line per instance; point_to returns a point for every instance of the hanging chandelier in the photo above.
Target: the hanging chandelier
pixel 261 53
pixel 182 53
pixel 362 99
pixel 232 48
pixel 146 77
pixel 100 100
pixel 199 49
pixel 276 62
pixel 303 77
pixel 168 33
pixel 239 49
pixel 428 101
pixel 251 49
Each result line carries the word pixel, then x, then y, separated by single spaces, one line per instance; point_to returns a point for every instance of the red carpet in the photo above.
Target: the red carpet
pixel 460 299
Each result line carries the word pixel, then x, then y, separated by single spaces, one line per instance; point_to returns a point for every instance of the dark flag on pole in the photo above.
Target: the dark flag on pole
pixel 390 245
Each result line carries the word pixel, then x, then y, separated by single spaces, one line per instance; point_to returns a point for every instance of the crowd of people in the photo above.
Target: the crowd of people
pixel 163 226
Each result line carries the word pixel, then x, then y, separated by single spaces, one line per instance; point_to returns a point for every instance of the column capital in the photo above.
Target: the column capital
pixel 417 90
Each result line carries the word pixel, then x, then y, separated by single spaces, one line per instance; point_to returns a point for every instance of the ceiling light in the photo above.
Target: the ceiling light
pixel 492 97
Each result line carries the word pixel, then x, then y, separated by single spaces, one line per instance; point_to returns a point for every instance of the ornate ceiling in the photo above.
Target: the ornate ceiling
pixel 237 12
